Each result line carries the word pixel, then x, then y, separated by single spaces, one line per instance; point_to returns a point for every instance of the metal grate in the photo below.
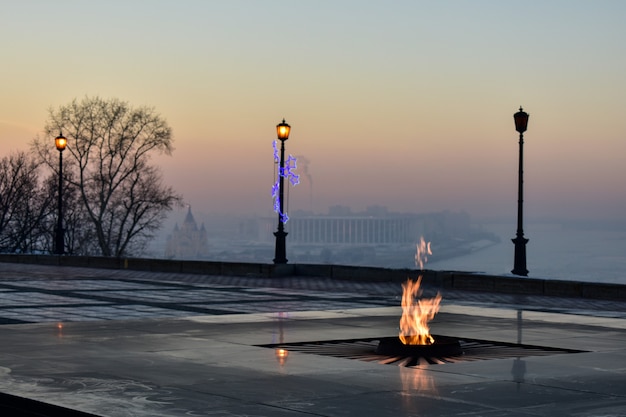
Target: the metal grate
pixel 473 350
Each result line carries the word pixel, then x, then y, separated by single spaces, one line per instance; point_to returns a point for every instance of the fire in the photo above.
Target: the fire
pixel 423 250
pixel 416 313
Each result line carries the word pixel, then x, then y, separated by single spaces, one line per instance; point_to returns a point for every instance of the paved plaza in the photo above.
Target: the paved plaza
pixel 110 342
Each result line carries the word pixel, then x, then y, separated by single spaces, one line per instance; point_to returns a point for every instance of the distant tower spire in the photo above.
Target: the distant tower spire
pixel 188 242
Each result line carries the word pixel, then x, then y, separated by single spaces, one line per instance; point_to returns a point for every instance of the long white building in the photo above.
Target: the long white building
pixel 352 230
pixel 389 229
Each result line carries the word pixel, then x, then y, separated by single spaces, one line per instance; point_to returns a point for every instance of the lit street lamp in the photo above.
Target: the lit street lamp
pixel 280 254
pixel 59 247
pixel 519 263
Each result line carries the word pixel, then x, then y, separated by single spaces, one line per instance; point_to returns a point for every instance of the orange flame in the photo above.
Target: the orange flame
pixel 423 250
pixel 416 313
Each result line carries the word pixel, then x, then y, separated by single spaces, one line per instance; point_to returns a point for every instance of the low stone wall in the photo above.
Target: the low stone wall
pixel 443 279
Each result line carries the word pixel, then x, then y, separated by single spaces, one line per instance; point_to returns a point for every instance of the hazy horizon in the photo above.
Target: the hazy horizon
pixel 409 107
pixel 573 250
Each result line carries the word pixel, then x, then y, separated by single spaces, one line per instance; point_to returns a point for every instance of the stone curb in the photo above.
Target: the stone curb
pixel 454 280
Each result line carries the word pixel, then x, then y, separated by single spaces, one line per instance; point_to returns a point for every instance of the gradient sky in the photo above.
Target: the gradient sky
pixel 406 104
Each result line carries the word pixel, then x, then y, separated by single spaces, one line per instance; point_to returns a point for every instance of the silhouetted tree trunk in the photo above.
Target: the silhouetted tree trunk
pixel 108 152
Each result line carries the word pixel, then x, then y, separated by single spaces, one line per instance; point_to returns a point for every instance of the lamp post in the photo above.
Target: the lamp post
pixel 519 263
pixel 280 254
pixel 59 247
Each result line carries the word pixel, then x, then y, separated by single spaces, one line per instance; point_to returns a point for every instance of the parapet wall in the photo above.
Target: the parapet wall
pixel 465 281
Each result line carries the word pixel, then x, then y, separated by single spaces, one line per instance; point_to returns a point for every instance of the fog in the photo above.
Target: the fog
pixel 579 250
pixel 406 107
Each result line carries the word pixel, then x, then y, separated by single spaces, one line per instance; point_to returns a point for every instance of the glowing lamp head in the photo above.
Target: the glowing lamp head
pixel 282 129
pixel 521 120
pixel 60 142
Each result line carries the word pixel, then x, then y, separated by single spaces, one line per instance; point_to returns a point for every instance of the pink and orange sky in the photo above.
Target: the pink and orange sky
pixel 405 104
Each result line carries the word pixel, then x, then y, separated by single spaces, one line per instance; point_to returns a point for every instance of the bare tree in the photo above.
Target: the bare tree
pixel 23 206
pixel 79 235
pixel 109 148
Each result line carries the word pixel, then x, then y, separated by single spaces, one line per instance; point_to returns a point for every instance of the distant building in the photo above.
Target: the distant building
pixel 187 241
pixel 375 226
pixel 354 230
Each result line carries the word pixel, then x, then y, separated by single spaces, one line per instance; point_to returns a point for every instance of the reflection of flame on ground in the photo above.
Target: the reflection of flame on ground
pixel 416 382
pixel 417 379
pixel 416 313
pixel 280 353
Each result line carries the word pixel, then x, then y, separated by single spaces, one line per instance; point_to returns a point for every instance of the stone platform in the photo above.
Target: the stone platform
pixel 136 343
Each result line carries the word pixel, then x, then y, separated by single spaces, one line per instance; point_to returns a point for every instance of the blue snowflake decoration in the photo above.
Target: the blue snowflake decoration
pixel 286 172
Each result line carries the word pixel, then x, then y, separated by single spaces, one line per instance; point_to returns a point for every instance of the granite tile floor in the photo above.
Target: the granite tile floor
pixel 130 343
